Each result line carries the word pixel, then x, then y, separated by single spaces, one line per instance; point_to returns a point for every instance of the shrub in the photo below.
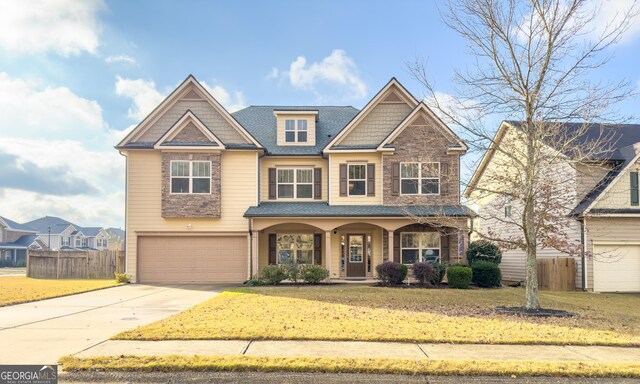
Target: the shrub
pixel 255 282
pixel 121 278
pixel 439 271
pixel 423 272
pixel 486 274
pixel 21 263
pixel 273 274
pixel 483 250
pixel 459 276
pixel 313 274
pixel 292 269
pixel 391 273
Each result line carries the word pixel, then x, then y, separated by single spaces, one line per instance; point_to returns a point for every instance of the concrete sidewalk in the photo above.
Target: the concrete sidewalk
pixel 365 349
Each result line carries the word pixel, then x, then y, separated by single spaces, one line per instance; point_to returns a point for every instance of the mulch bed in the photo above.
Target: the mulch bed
pixel 542 312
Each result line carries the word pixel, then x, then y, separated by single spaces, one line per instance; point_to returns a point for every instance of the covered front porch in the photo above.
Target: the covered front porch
pixel 351 247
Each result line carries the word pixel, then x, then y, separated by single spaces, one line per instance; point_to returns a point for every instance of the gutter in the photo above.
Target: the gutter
pixel 583 259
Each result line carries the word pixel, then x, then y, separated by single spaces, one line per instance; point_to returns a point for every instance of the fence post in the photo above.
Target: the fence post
pixel 58 265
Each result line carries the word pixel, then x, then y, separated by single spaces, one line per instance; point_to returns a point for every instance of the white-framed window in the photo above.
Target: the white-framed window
pixel 295 131
pixel 85 242
pixel 357 180
pixel 78 242
pixel 290 247
pixel 295 183
pixel 420 178
pixel 419 247
pixel 66 241
pixel 192 177
pixel 507 211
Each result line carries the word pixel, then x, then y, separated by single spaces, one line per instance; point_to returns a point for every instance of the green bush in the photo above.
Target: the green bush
pixel 438 274
pixel 483 250
pixel 313 274
pixel 273 274
pixel 292 268
pixel 121 278
pixel 486 274
pixel 459 276
pixel 254 282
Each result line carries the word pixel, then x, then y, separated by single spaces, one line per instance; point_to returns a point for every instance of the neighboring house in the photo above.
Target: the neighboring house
pixel 604 221
pixel 56 233
pixel 15 239
pixel 213 196
pixel 116 239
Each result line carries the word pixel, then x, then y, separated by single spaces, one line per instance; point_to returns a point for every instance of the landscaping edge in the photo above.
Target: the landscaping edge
pixel 63 295
pixel 180 363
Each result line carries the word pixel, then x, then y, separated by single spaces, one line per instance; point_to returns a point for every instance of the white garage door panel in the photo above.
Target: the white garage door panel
pixel 186 259
pixel 616 268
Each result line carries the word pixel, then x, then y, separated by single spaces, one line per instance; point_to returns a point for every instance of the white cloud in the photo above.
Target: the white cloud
pixel 55 129
pixel 274 74
pixel 67 27
pixel 231 103
pixel 144 94
pixel 335 70
pixel 121 59
pixel 611 12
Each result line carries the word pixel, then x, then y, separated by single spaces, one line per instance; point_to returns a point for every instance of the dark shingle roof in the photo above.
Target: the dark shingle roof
pixel 22 243
pixel 261 123
pixel 17 226
pixel 43 224
pixel 321 209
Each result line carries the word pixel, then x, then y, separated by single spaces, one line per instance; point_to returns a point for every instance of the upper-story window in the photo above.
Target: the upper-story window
pixel 85 242
pixel 191 177
pixel 420 178
pixel 357 180
pixel 65 241
pixel 295 183
pixel 78 242
pixel 635 188
pixel 295 131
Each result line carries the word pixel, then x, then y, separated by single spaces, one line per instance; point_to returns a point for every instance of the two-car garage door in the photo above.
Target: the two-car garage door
pixel 192 259
pixel 616 268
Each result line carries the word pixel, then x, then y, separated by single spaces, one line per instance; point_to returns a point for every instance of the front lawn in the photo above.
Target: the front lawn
pixel 385 314
pixel 349 365
pixel 20 289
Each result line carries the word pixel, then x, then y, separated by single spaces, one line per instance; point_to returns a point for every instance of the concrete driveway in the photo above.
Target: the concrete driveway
pixel 41 332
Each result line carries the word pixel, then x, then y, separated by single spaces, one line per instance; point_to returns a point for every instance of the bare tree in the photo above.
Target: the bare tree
pixel 532 59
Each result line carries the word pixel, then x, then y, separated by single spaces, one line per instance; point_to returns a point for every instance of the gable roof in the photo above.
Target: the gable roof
pixel 15 225
pixel 363 113
pixel 173 97
pixel 116 232
pixel 421 107
pixel 91 231
pixel 23 242
pixel 261 122
pixel 184 121
pixel 46 223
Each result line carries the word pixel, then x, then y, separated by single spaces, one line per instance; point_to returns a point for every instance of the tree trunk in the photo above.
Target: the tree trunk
pixel 530 232
pixel 532 280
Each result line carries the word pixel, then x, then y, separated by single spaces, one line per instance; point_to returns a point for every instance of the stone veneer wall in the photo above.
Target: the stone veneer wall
pixel 188 205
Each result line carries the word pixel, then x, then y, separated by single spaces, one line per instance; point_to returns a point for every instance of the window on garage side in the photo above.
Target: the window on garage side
pixel 190 177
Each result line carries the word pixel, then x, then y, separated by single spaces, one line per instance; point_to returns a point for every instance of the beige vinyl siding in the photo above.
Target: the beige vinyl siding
pixel 311 129
pixel 588 176
pixel 291 162
pixel 619 195
pixel 608 231
pixel 205 112
pixel 239 170
pixel 356 158
pixel 377 124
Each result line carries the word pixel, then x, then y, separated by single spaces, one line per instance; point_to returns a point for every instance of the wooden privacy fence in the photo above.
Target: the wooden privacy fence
pixel 74 264
pixel 557 274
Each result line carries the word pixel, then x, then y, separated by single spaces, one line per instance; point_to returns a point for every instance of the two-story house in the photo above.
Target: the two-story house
pixel 15 239
pixel 603 209
pixel 214 196
pixel 57 233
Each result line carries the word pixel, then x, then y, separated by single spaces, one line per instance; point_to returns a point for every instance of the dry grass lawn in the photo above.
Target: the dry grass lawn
pixel 385 314
pixel 21 289
pixel 349 365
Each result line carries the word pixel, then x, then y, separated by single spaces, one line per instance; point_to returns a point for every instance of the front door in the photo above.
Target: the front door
pixel 356 251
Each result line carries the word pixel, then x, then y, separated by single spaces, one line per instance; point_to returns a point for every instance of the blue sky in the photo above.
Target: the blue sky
pixel 76 75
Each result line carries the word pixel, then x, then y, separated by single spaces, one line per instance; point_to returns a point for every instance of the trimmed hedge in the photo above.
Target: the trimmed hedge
pixel 423 272
pixel 273 274
pixel 391 273
pixel 486 274
pixel 483 250
pixel 313 274
pixel 459 276
pixel 439 272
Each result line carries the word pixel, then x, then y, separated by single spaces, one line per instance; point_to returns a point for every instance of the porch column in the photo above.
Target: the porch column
pixel 390 244
pixel 327 251
pixel 255 236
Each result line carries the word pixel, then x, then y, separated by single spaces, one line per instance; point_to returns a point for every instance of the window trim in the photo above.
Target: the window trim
pixel 295 247
pixel 366 175
pixel 421 178
pixel 296 131
pixel 190 177
pixel 420 246
pixel 295 183
pixel 507 211
pixel 634 191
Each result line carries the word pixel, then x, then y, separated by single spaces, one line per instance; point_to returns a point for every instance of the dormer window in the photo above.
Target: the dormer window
pixel 295 131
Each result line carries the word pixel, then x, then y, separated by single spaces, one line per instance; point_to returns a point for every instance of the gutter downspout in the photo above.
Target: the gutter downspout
pixel 250 248
pixel 583 241
pixel 126 213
